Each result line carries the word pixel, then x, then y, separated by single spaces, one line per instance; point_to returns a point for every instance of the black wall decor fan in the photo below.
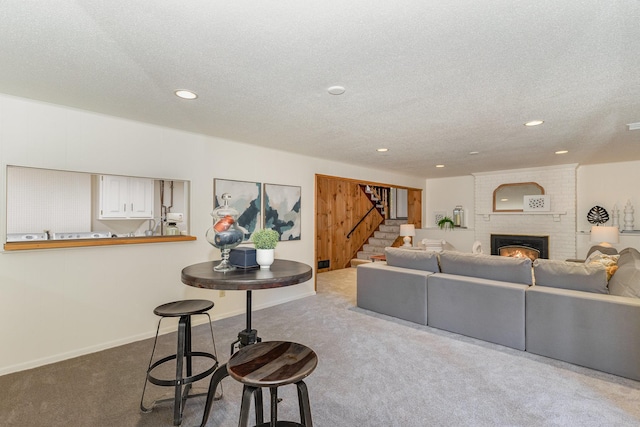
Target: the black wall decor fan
pixel 597 215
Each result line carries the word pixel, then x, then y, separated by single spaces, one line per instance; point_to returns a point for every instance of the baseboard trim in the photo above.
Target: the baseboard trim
pixel 128 340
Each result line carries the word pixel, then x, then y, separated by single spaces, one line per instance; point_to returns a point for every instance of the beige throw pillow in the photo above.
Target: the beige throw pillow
pixel 610 262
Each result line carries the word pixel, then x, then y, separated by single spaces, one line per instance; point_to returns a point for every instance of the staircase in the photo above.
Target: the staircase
pixel 383 237
pixel 379 197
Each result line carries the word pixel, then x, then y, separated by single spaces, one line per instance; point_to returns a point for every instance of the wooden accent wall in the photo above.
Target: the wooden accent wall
pixel 340 204
pixel 414 203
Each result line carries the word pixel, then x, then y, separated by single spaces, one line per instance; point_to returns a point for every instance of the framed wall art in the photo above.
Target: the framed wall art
pixel 282 210
pixel 246 198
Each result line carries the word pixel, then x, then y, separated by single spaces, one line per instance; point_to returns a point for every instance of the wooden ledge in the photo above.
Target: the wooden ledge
pixel 76 243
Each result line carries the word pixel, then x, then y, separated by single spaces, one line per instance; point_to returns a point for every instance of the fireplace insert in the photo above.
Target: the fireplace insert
pixel 515 245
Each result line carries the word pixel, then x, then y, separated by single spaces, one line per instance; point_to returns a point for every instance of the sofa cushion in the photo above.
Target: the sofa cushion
pixel 417 260
pixel 626 280
pixel 570 275
pixel 492 267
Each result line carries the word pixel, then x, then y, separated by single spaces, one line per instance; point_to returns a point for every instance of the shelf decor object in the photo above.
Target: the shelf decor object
pixel 458 216
pixel 540 203
pixel 628 216
pixel 597 215
pixel 615 217
pixel 224 234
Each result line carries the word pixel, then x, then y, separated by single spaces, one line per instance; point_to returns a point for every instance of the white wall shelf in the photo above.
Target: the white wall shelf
pixel 449 229
pixel 556 215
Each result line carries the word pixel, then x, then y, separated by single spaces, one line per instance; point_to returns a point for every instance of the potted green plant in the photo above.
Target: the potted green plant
pixel 446 223
pixel 265 241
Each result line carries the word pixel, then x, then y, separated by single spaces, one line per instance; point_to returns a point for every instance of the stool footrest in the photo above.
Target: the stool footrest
pixel 185 380
pixel 282 424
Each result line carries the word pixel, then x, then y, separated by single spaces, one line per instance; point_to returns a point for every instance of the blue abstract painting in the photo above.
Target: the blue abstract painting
pixel 282 210
pixel 246 198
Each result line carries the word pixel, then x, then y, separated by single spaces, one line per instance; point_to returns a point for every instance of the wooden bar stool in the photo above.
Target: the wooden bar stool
pixel 182 381
pixel 273 364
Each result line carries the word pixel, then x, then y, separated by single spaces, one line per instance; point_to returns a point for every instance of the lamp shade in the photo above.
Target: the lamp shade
pixel 602 234
pixel 407 230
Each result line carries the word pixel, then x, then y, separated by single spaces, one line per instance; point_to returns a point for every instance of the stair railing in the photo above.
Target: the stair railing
pixel 379 197
pixel 360 222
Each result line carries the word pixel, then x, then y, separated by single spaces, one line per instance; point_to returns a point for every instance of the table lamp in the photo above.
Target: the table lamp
pixel 408 231
pixel 604 236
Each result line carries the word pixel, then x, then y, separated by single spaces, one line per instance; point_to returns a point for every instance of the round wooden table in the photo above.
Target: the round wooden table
pixel 282 273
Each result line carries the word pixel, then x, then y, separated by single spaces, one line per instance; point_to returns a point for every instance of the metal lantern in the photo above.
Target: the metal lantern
pixel 458 216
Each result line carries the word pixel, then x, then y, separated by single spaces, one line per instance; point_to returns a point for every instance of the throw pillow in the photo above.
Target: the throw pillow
pixel 570 275
pixel 610 262
pixel 417 260
pixel 626 280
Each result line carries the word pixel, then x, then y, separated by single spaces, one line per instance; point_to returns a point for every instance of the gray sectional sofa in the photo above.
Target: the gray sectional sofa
pixel 563 310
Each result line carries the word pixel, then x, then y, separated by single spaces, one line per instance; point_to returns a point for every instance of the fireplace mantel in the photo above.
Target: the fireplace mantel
pixel 556 215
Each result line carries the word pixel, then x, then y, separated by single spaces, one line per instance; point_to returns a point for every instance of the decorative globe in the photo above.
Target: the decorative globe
pixel 224 234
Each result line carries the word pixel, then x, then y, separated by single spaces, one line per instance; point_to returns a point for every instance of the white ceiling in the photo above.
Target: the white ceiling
pixel 430 80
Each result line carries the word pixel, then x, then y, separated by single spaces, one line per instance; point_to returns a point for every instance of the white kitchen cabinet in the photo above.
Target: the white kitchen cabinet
pixel 123 197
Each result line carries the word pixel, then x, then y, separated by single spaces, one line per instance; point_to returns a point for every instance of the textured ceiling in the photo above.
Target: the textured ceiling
pixel 429 80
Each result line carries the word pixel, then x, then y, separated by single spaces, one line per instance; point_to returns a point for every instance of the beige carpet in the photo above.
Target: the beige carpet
pixel 373 370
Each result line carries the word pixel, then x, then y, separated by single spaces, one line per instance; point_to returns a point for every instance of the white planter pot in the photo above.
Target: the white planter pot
pixel 265 257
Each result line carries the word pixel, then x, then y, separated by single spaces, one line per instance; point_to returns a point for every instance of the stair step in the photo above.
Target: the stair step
pixel 373 249
pixel 363 255
pixel 381 242
pixel 385 235
pixel 397 222
pixel 356 262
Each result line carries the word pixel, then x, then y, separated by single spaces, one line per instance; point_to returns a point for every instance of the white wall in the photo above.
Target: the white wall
pixel 608 185
pixel 61 303
pixel 444 194
pixel 605 185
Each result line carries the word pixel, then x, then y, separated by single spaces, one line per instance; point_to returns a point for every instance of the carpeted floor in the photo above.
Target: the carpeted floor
pixel 373 370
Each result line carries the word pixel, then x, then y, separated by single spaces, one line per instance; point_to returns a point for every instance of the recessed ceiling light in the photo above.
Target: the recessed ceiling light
pixel 439 166
pixel 336 90
pixel 473 153
pixel 634 126
pixel 185 94
pixel 534 123
pixel 562 151
pixel 382 150
pixel 504 200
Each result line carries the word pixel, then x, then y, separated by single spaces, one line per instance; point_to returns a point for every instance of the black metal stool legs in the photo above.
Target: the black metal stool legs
pixel 184 349
pixel 184 374
pixel 216 379
pixel 303 402
pixel 273 391
pixel 146 379
pixel 245 406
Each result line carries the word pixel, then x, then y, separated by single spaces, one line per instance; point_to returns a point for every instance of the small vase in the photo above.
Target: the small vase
pixel 265 257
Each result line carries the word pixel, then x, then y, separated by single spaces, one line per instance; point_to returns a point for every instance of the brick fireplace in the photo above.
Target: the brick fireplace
pixel 559 183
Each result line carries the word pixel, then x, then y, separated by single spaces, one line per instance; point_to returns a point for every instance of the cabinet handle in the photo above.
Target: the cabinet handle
pixel 124 207
pixel 131 207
